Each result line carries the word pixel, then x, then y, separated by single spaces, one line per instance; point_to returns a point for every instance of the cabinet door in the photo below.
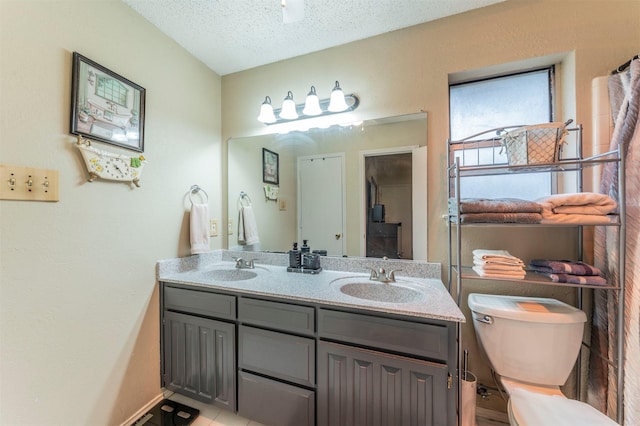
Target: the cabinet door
pixel 363 387
pixel 199 358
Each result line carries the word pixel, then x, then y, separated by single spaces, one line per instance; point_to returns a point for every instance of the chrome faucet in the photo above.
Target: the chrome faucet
pixel 244 264
pixel 382 276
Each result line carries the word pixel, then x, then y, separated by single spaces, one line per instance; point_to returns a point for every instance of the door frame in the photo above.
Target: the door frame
pixel 342 157
pixel 363 186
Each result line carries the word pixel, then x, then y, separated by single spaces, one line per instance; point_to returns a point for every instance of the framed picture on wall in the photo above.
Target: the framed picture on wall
pixel 270 167
pixel 105 106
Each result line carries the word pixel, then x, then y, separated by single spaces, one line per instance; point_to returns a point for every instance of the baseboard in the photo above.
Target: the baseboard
pixel 148 406
pixel 494 415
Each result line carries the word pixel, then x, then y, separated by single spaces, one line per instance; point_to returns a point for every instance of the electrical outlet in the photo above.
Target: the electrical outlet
pixel 213 228
pixel 230 227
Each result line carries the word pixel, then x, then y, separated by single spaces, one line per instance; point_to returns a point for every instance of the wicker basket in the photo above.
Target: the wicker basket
pixel 537 144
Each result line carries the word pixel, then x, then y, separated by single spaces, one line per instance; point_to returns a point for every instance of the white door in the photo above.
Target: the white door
pixel 321 200
pixel 419 202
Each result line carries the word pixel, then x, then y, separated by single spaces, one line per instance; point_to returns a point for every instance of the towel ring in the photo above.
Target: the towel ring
pixel 244 197
pixel 195 189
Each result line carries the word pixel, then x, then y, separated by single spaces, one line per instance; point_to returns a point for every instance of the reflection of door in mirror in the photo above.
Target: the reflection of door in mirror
pixel 389 219
pixel 321 202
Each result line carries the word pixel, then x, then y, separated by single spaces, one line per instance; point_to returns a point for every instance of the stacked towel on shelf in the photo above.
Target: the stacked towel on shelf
pixel 499 210
pixel 568 271
pixel 497 264
pixel 581 208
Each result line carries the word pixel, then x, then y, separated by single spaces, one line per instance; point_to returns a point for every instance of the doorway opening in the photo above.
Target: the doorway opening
pixel 389 210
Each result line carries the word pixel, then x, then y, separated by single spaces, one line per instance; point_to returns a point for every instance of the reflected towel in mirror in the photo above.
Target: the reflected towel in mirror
pixel 247 228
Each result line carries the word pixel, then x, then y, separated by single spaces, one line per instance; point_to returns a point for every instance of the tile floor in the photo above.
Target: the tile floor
pixel 213 416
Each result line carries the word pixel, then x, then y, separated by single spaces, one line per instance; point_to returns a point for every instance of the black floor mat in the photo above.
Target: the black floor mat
pixel 168 413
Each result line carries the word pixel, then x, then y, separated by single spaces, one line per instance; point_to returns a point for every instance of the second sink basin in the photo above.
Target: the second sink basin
pixel 398 292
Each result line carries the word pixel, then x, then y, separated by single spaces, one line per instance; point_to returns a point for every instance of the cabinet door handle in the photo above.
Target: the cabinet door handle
pixel 485 320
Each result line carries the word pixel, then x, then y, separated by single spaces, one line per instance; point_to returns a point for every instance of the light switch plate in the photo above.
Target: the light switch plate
pixel 28 183
pixel 213 228
pixel 230 227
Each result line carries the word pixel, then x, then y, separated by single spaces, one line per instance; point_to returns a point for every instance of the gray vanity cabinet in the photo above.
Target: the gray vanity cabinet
pixel 276 362
pixel 359 384
pixel 364 387
pixel 199 353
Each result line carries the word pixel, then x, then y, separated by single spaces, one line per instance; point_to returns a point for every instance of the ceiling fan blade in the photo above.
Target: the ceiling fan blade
pixel 292 11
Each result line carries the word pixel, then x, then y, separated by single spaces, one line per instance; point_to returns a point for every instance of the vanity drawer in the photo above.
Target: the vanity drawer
pixel 276 315
pixel 425 340
pixel 274 403
pixel 200 302
pixel 286 357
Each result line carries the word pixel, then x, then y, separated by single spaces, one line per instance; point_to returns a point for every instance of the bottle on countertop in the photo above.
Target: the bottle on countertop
pixel 295 257
pixel 305 248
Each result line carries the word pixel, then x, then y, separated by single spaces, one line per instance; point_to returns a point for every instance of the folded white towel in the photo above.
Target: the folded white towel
pixel 586 203
pixel 577 219
pixel 497 265
pixel 247 227
pixel 499 274
pixel 497 256
pixel 199 228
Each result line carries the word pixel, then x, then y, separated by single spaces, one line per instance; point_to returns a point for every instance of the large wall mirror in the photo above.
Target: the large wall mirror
pixel 356 190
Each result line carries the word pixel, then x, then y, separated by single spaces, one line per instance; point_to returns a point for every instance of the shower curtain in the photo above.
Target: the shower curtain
pixel 624 96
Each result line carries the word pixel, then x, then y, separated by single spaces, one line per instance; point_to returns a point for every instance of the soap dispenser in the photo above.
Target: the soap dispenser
pixel 305 248
pixel 295 257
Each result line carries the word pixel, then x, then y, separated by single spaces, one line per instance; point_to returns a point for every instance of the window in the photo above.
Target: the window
pixel 516 99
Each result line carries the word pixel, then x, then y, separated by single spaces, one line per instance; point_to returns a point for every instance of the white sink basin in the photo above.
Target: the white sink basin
pixel 400 291
pixel 228 274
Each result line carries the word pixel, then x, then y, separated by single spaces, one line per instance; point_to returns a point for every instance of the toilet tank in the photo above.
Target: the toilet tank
pixel 530 339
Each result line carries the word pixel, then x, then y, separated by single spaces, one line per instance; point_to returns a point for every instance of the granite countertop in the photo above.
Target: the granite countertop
pixel 217 271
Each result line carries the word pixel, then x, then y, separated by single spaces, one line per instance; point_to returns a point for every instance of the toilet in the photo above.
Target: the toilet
pixel 533 343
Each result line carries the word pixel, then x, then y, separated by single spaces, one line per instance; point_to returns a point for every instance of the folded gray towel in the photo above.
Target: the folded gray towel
pixel 498 205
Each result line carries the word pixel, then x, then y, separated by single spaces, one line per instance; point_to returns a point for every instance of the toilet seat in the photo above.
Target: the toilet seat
pixel 527 408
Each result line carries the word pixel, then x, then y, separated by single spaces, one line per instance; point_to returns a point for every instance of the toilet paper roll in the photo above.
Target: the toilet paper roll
pixel 468 403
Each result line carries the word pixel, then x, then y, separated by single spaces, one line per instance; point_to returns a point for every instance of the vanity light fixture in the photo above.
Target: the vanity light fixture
pixel 337 102
pixel 288 111
pixel 313 106
pixel 266 112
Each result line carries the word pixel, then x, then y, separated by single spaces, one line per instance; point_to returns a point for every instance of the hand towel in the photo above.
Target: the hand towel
pixel 199 228
pixel 247 227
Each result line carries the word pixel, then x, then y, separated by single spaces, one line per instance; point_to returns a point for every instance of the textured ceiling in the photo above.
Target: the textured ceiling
pixel 235 35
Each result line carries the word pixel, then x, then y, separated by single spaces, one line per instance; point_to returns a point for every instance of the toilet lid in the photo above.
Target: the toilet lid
pixel 534 409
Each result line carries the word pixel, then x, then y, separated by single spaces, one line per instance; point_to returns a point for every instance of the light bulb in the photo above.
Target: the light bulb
pixel 288 111
pixel 312 104
pixel 337 102
pixel 266 112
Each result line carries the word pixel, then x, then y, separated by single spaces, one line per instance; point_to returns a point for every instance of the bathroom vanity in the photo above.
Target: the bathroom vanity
pixel 299 349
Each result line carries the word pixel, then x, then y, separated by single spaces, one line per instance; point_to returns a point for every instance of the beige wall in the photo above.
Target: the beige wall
pixel 78 304
pixel 79 329
pixel 408 70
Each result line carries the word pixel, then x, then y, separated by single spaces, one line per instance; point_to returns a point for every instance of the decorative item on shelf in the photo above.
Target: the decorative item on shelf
pixel 271 192
pixel 107 165
pixel 313 106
